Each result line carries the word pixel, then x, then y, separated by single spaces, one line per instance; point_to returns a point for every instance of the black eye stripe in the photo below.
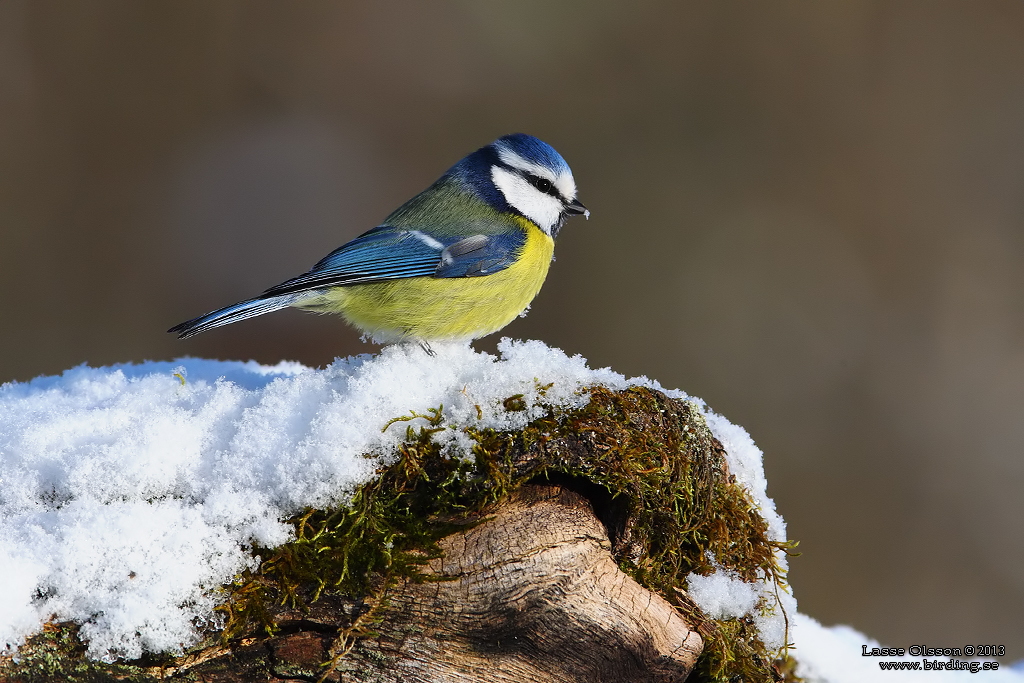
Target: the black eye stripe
pixel 543 184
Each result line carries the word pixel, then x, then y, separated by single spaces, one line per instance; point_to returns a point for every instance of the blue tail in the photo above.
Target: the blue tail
pixel 243 310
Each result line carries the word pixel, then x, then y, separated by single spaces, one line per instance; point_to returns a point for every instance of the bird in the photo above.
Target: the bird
pixel 458 261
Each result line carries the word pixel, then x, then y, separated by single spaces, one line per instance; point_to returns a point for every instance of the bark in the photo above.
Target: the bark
pixel 532 594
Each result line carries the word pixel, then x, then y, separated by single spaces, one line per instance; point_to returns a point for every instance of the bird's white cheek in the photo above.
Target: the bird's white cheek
pixel 541 208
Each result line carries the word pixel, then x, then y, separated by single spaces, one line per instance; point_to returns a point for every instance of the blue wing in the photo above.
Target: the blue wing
pixel 384 253
pixel 388 253
pixel 478 255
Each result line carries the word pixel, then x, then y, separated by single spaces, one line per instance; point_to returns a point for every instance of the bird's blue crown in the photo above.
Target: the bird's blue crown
pixel 474 170
pixel 533 150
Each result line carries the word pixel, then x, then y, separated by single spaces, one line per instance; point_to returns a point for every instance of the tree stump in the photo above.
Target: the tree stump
pixel 528 587
pixel 531 594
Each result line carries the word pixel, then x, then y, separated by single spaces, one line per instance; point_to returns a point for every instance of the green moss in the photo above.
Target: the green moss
pixel 652 462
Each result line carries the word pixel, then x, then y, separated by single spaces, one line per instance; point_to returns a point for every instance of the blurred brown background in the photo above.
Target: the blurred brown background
pixel 807 213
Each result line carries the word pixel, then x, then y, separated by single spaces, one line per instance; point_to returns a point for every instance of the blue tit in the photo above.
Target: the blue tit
pixel 458 261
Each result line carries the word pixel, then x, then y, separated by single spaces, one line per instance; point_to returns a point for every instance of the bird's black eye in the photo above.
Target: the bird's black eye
pixel 542 184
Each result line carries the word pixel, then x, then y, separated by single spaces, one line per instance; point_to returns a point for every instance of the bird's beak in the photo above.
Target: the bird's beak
pixel 575 208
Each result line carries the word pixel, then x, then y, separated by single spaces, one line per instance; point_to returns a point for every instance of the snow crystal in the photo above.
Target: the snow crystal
pixel 723 595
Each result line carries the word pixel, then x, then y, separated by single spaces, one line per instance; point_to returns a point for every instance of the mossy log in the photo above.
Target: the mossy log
pixel 558 553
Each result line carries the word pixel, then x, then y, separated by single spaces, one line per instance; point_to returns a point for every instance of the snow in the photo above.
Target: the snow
pixel 834 655
pixel 130 493
pixel 723 593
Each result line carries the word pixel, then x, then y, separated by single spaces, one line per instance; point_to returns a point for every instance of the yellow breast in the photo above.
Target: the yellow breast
pixel 437 309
